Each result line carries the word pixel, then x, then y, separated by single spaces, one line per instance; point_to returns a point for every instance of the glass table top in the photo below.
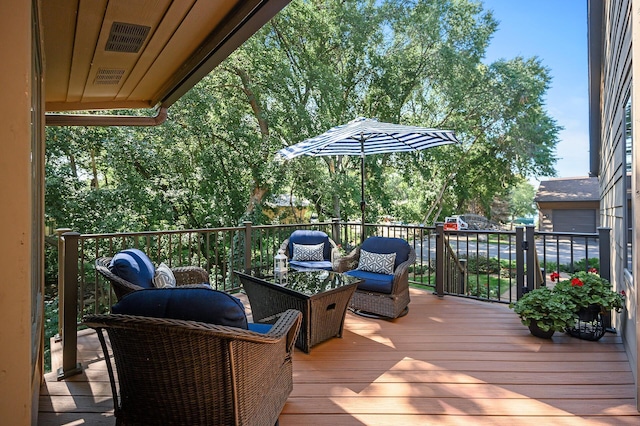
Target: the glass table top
pixel 309 282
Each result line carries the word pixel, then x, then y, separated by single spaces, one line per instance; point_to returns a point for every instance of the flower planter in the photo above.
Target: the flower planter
pixel 589 313
pixel 589 324
pixel 538 332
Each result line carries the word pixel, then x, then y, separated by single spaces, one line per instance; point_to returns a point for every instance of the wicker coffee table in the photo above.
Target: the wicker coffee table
pixel 321 296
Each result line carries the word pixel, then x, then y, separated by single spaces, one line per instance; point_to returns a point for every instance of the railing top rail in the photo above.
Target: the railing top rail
pixel 483 231
pixel 171 231
pixel 536 233
pixel 383 225
pixel 239 228
pixel 568 234
pixel 292 225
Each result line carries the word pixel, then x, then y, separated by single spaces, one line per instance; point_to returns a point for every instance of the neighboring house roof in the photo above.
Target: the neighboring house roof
pixel 568 189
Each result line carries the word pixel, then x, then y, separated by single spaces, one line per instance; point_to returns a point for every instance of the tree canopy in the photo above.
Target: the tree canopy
pixel 318 64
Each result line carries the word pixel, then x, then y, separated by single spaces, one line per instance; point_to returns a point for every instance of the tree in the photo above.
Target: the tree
pixel 419 65
pixel 319 63
pixel 521 202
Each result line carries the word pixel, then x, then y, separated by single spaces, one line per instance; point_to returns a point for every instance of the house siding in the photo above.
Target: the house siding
pixel 616 88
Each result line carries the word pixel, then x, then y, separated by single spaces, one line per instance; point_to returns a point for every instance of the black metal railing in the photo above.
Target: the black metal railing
pixel 500 266
pixel 489 265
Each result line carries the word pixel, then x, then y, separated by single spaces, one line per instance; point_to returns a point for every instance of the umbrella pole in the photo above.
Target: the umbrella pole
pixel 362 202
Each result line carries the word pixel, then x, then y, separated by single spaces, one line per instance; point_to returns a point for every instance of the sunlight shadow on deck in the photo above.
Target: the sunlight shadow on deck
pixel 450 361
pixel 453 358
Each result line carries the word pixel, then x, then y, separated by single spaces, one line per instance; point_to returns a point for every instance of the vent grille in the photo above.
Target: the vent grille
pixel 126 38
pixel 107 76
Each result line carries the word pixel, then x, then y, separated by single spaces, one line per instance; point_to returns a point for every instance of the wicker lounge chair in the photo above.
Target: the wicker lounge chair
pixel 385 295
pixel 192 373
pixel 185 276
pixel 308 237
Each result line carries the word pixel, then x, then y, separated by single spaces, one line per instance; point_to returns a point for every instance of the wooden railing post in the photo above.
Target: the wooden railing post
pixel 520 244
pixel 68 301
pixel 247 245
pixel 59 233
pixel 440 272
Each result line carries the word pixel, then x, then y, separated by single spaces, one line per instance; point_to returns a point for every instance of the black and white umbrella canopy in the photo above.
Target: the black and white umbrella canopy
pixel 364 136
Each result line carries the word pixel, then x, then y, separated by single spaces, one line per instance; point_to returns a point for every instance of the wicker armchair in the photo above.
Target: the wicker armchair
pixel 393 301
pixel 174 372
pixel 192 276
pixel 305 237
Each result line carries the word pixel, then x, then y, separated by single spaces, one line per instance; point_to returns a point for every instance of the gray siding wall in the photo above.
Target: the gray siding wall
pixel 616 87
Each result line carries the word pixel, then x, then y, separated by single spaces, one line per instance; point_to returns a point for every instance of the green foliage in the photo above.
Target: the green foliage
pixel 588 288
pixel 315 65
pixel 482 264
pixel 557 309
pixel 422 269
pixel 486 287
pixel 521 199
pixel 580 265
pixel 50 329
pixel 549 309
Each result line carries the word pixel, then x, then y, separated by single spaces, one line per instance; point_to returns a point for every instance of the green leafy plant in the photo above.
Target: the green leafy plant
pixel 549 309
pixel 588 288
pixel 482 264
pixel 579 265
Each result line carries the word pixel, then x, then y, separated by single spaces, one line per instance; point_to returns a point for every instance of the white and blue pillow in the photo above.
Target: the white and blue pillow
pixel 163 277
pixel 308 253
pixel 379 263
pixel 134 266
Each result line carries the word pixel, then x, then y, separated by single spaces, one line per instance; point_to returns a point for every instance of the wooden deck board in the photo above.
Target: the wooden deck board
pixel 450 361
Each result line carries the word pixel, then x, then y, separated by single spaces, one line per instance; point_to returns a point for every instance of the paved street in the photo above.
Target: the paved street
pixel 553 250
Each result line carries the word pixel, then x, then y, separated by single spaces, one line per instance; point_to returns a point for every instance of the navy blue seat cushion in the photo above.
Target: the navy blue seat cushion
pixel 134 266
pixel 260 328
pixel 191 304
pixel 309 237
pixel 388 245
pixel 324 264
pixel 379 283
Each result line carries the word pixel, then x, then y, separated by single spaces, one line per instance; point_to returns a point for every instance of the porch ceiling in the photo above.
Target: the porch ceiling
pixel 115 54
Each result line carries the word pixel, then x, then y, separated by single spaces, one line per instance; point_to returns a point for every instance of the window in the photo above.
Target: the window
pixel 628 165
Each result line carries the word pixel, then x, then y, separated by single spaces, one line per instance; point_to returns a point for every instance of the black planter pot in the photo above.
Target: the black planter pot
pixel 589 324
pixel 536 331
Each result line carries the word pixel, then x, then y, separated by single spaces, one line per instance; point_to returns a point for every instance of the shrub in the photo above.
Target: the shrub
pixel 580 265
pixel 482 265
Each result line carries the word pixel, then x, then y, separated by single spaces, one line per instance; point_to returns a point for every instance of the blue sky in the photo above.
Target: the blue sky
pixel 556 32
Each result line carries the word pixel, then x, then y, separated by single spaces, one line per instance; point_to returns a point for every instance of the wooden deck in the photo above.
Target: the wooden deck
pixel 450 361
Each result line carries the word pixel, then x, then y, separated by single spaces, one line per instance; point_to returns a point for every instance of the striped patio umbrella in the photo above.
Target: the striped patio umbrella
pixel 363 137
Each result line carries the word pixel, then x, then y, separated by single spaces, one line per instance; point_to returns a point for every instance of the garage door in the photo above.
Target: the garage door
pixel 574 220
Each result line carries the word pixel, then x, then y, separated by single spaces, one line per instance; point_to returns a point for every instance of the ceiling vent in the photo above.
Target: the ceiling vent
pixel 126 38
pixel 106 76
